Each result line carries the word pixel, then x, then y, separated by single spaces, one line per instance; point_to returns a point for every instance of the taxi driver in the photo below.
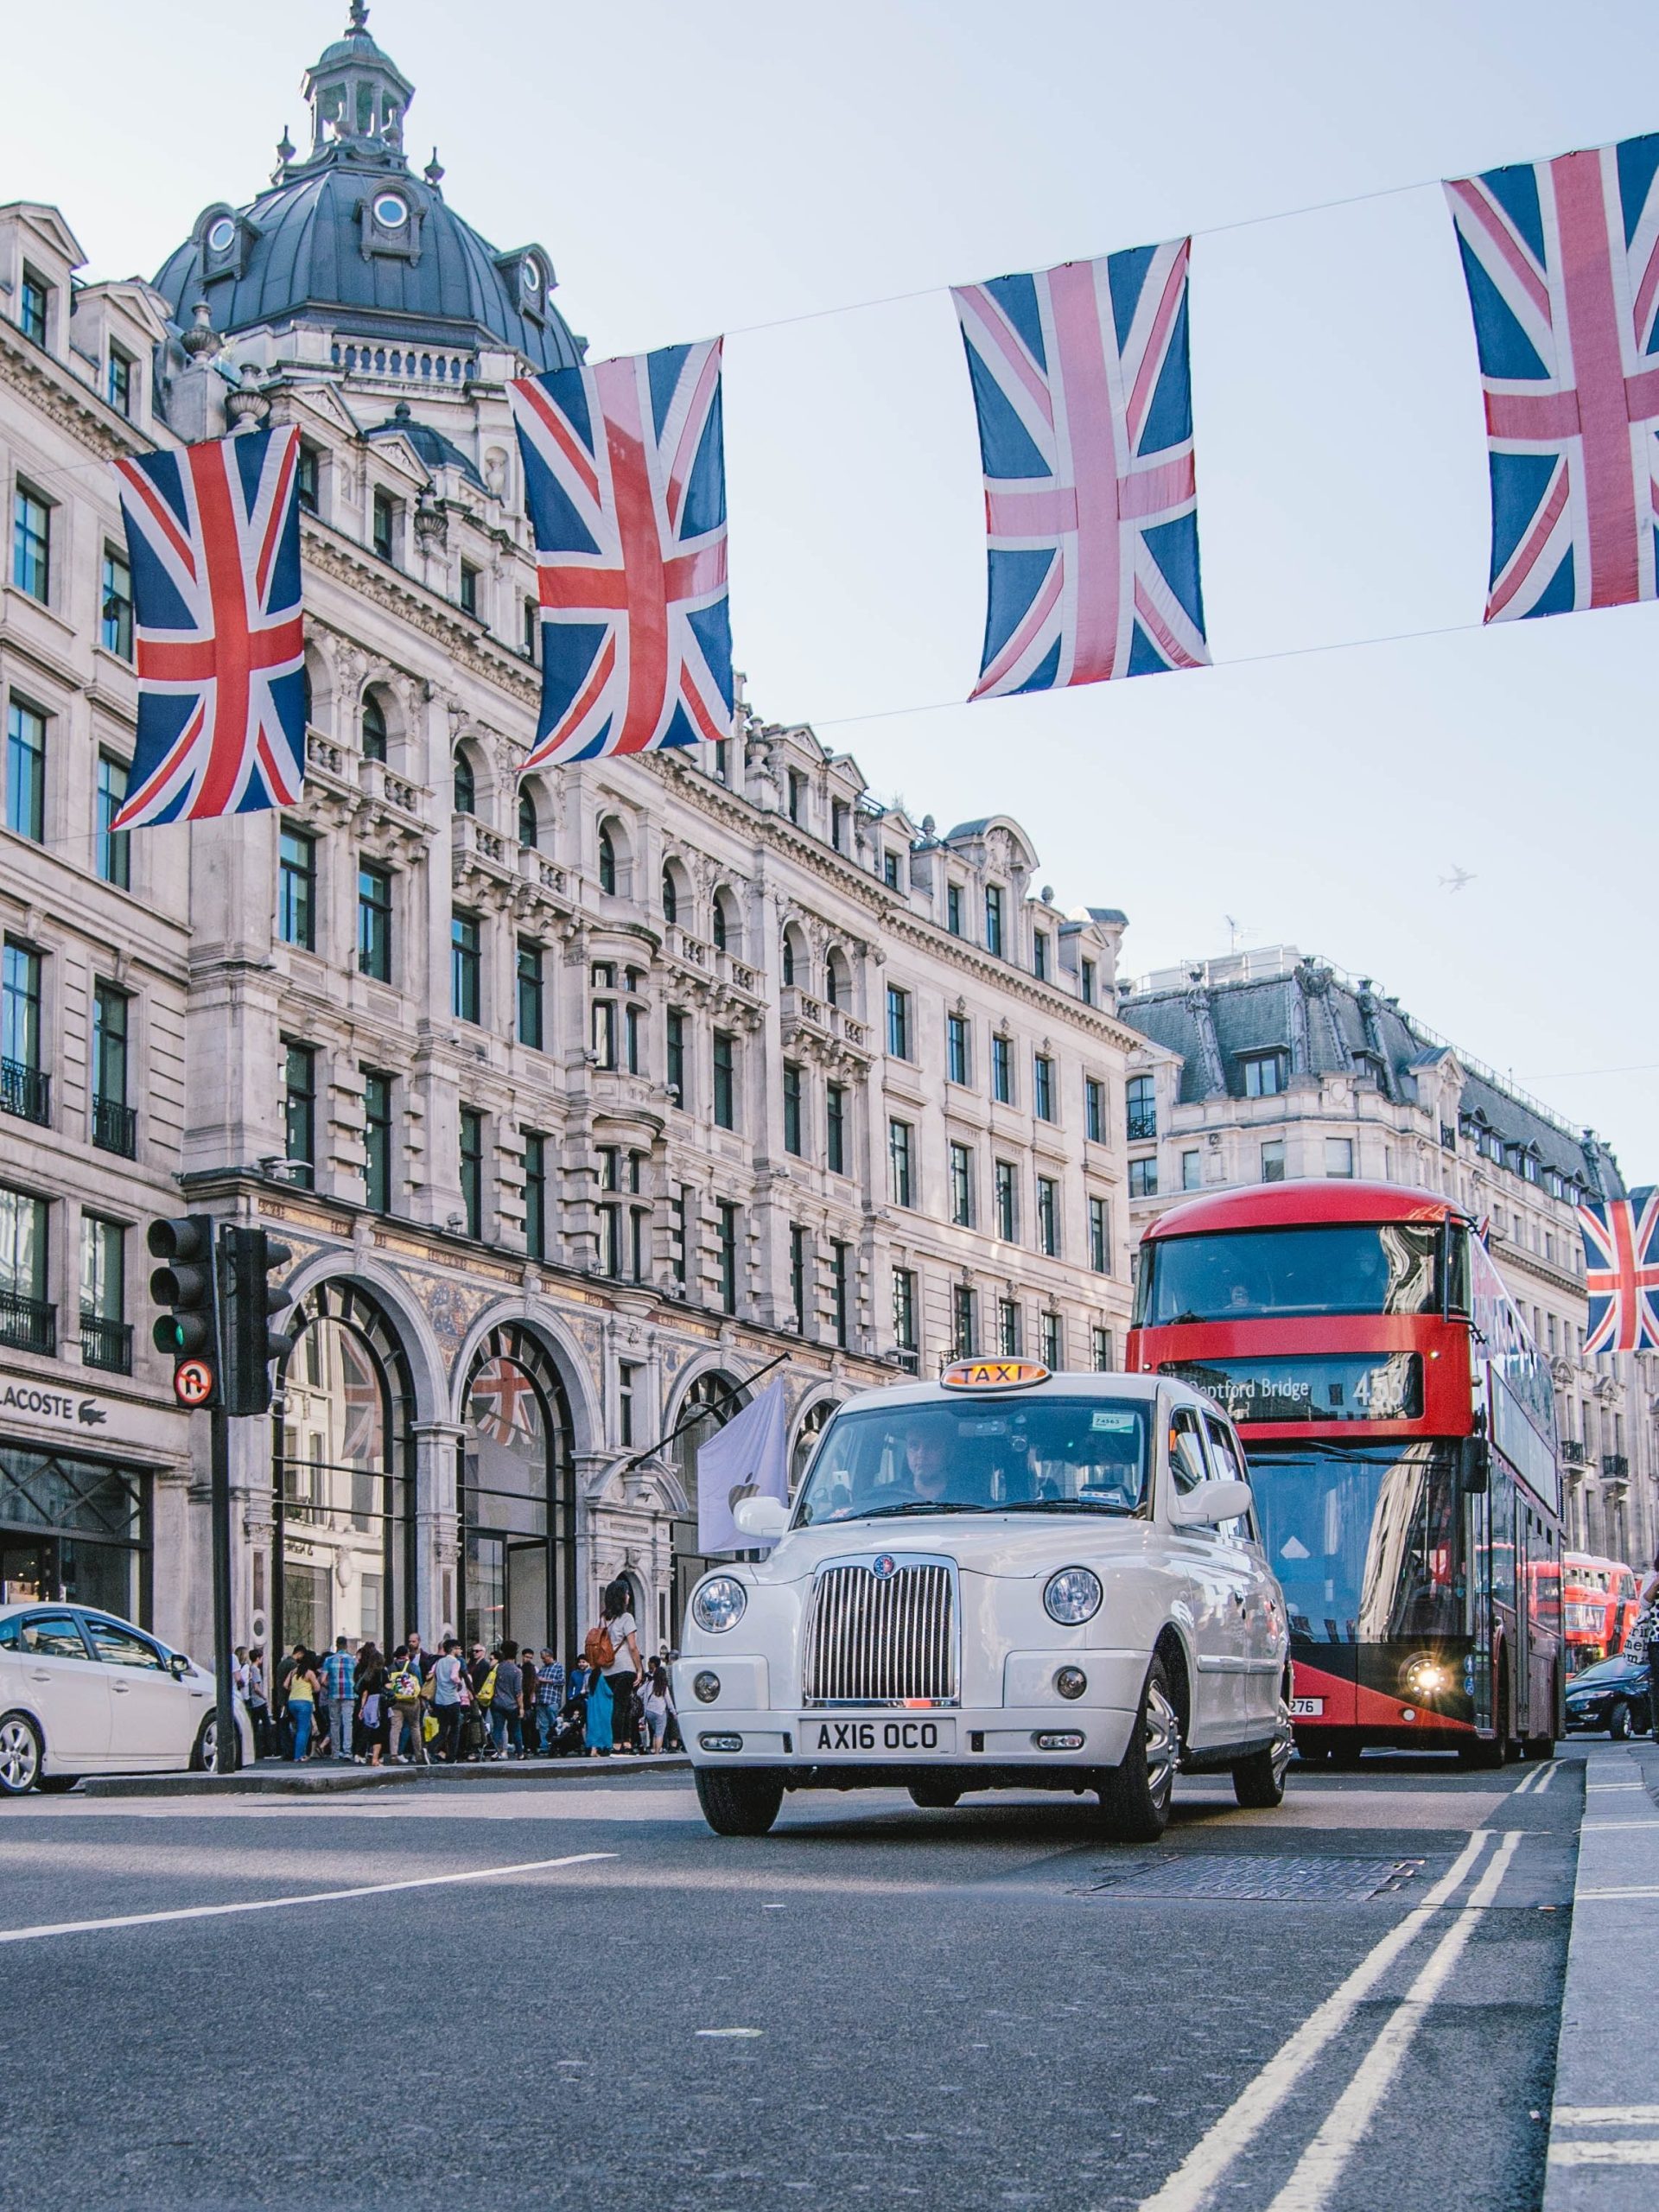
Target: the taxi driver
pixel 927 1460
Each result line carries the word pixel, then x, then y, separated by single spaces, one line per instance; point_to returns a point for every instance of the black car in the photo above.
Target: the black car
pixel 1613 1695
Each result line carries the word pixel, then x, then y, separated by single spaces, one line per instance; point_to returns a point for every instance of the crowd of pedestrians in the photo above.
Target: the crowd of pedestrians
pixel 457 1704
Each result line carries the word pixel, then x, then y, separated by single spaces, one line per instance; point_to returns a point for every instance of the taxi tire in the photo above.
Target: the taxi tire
pixel 739 1802
pixel 1620 1726
pixel 934 1796
pixel 1133 1808
pixel 20 1754
pixel 1259 1781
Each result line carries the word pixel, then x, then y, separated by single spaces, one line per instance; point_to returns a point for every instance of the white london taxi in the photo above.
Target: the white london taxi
pixel 1009 1579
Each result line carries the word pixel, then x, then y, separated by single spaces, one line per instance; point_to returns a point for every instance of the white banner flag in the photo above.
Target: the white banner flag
pixel 749 1458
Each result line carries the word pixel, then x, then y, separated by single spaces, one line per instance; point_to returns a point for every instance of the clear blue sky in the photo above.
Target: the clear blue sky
pixel 694 169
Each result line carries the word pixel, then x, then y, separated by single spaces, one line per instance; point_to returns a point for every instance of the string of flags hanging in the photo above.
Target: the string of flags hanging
pixel 1081 381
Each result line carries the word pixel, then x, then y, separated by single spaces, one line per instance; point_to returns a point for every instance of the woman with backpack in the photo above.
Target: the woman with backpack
pixel 622 1670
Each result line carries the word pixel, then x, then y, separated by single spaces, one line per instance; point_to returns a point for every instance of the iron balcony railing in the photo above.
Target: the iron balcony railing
pixel 115 1126
pixel 1616 1466
pixel 1572 1451
pixel 25 1092
pixel 1143 1123
pixel 882 1633
pixel 106 1344
pixel 27 1323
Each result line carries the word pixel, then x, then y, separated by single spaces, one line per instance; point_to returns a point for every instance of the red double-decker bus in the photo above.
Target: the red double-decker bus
pixel 1400 1429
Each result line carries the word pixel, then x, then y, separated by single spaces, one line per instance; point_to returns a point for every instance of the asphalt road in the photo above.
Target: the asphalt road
pixel 982 2008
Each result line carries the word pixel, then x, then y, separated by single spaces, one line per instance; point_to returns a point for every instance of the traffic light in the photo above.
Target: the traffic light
pixel 189 1334
pixel 249 1300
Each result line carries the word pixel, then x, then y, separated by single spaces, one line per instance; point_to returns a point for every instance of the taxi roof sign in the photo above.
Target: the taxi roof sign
pixel 993 1374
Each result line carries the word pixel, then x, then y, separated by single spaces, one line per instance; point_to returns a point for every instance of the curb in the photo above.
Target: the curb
pixel 1603 2129
pixel 273 1778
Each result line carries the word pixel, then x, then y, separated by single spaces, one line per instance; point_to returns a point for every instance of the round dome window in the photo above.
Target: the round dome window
pixel 390 212
pixel 531 278
pixel 222 236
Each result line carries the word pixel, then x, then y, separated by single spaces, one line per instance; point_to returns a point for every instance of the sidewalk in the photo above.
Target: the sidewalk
pixel 324 1777
pixel 1603 2140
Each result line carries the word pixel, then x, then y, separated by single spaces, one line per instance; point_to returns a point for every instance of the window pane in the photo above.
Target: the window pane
pixel 25 770
pixel 114 846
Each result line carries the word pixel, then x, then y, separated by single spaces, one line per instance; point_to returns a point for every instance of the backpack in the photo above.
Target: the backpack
pixel 405 1686
pixel 486 1688
pixel 598 1650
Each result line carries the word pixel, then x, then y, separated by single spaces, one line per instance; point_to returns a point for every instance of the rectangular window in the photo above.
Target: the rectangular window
pixel 374 921
pixel 627 1378
pixel 725 1080
pixel 994 920
pixel 472 1168
pixel 468 589
pixel 610 1240
pixel 1264 1074
pixel 25 1090
pixel 964 1329
pixel 114 846
pixel 530 994
pixel 105 1339
pixel 792 1138
pixel 890 870
pixel 31 544
pixel 1190 1167
pixel 953 908
pixel 1089 987
pixel 634 1033
pixel 296 889
pixel 306 476
pixel 796 795
pixel 1100 1345
pixel 835 1128
pixel 1002 1070
pixel 121 382
pixel 676 1070
pixel 1143 1178
pixel 900 1142
pixel 1094 1109
pixel 26 771
pixel 115 607
pixel 840 1291
pixel 1100 1236
pixel 1039 955
pixel 535 1194
pixel 898 1022
pixel 602 1032
pixel 726 1241
pixel 904 1308
pixel 1008 1221
pixel 798 1248
pixel 1273 1161
pixel 956 1063
pixel 962 1185
pixel 465 968
pixel 300 1112
pixel 1042 1087
pixel 532 628
pixel 838 817
pixel 26 1321
pixel 1048 1216
pixel 1054 1341
pixel 385 526
pixel 1140 1103
pixel 1007 1327
pixel 1338 1156
pixel 31 307
pixel 115 1123
pixel 681 1213
pixel 377 1141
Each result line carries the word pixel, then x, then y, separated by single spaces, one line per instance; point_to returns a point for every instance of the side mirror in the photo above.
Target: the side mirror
pixel 1210 1503
pixel 763 1518
pixel 1474 1463
pixel 177 1665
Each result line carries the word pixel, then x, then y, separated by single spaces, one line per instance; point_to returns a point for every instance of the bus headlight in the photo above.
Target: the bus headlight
pixel 719 1604
pixel 1072 1596
pixel 1424 1676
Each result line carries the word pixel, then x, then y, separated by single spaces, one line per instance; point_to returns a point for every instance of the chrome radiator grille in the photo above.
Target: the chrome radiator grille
pixel 882 1640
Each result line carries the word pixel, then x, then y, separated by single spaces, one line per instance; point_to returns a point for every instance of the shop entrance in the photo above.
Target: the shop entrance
pixel 72 1529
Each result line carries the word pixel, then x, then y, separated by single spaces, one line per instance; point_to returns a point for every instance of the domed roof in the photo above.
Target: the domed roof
pixel 434 449
pixel 350 237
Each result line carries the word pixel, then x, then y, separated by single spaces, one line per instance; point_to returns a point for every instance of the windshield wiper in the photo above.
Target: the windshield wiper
pixel 1068 1505
pixel 917 1505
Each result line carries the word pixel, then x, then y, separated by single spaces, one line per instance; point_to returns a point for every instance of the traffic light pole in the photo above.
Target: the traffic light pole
pixel 224 1747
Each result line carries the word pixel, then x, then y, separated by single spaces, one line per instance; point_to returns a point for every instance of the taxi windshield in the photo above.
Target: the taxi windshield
pixel 980 1455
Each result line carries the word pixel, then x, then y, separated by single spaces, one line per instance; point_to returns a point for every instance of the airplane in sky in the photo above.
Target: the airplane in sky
pixel 1457 878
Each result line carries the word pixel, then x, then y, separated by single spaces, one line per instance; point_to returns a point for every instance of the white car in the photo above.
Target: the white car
pixel 1006 1579
pixel 82 1691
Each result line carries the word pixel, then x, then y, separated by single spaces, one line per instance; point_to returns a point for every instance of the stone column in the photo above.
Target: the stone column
pixel 431 1605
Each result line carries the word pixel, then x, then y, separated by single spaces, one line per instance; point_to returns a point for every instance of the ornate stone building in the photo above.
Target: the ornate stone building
pixel 582 1100
pixel 1265 1065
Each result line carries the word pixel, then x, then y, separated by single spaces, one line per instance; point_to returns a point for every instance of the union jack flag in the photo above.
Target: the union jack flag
pixel 214 543
pixel 503 1402
pixel 1561 260
pixel 1621 1272
pixel 1081 378
pixel 625 481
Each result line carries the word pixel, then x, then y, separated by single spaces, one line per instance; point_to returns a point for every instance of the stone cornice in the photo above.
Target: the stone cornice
pixel 63 399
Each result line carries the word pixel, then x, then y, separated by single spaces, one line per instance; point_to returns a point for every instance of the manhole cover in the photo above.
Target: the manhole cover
pixel 1270 1878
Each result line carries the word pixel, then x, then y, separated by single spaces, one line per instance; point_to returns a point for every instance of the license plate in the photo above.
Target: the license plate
pixel 1307 1709
pixel 819 1737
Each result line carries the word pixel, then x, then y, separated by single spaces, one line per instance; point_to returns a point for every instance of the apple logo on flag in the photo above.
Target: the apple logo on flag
pixel 738 1491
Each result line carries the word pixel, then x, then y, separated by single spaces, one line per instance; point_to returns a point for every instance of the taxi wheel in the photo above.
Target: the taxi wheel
pixel 204 1754
pixel 1259 1781
pixel 1134 1797
pixel 1618 1725
pixel 933 1797
pixel 20 1754
pixel 736 1803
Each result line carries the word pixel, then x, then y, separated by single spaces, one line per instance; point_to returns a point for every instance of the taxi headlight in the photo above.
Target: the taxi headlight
pixel 719 1604
pixel 1072 1596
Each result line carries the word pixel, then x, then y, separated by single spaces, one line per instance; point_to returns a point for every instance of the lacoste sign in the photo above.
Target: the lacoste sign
pixel 65 1409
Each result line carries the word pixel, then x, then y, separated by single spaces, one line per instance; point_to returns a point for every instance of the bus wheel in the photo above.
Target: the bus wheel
pixel 1540 1747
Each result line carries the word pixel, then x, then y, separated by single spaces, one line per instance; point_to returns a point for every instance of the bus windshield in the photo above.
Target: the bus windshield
pixel 1034 1455
pixel 1364 1541
pixel 1249 1275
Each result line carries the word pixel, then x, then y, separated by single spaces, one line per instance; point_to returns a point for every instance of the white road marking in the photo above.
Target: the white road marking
pixel 1606 1827
pixel 1643 1890
pixel 729 2032
pixel 1642 2151
pixel 1322 2164
pixel 1547 1778
pixel 1533 1780
pixel 1192 2184
pixel 280 1904
pixel 1607 2116
pixel 1601 1788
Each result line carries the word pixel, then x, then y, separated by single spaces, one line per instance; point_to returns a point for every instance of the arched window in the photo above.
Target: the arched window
pixel 725 921
pixel 518 1498
pixel 343 1476
pixel 837 983
pixel 529 828
pixel 465 784
pixel 670 897
pixel 607 858
pixel 797 968
pixel 789 958
pixel 373 728
pixel 814 1423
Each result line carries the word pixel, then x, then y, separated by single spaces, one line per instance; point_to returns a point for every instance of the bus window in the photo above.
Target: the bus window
pixel 1456 1268
pixel 1263 1274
